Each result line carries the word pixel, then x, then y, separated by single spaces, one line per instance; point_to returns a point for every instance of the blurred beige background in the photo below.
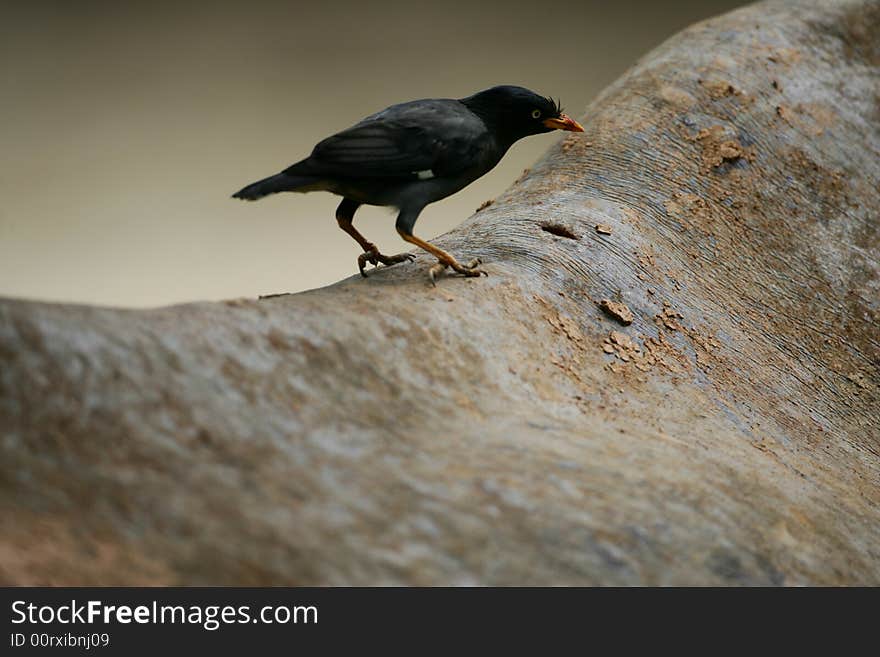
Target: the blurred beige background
pixel 126 126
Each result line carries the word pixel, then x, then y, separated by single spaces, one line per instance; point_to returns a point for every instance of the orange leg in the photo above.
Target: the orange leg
pixel 445 259
pixel 344 217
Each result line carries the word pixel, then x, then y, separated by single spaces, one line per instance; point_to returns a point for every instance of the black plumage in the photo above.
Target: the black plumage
pixel 415 153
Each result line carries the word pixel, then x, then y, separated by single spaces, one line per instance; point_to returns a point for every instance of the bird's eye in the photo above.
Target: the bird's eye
pixel 536 114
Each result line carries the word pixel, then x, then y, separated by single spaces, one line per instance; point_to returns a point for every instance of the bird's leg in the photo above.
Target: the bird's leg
pixel 445 259
pixel 344 217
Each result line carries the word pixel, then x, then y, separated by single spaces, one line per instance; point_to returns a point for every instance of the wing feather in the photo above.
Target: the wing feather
pixel 399 142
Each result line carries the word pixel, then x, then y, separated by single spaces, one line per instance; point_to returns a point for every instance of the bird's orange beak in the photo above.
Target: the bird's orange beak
pixel 564 123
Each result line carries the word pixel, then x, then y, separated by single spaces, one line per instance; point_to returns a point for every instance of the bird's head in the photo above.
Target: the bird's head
pixel 515 112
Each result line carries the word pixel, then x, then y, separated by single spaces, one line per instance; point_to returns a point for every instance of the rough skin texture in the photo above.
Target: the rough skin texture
pixel 506 430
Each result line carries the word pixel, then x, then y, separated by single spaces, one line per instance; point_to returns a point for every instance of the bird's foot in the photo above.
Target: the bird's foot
pixel 469 270
pixel 374 257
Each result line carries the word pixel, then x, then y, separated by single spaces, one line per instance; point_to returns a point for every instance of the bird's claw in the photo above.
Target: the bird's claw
pixel 435 271
pixel 469 270
pixel 374 257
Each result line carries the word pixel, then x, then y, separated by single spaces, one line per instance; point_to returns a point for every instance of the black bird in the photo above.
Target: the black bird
pixel 415 153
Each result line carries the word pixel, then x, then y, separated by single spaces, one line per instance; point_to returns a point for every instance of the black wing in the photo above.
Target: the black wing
pixel 438 136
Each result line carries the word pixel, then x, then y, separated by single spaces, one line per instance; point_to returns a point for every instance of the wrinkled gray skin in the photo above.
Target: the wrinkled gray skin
pixel 382 431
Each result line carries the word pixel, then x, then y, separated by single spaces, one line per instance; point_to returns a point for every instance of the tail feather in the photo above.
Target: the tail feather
pixel 281 182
